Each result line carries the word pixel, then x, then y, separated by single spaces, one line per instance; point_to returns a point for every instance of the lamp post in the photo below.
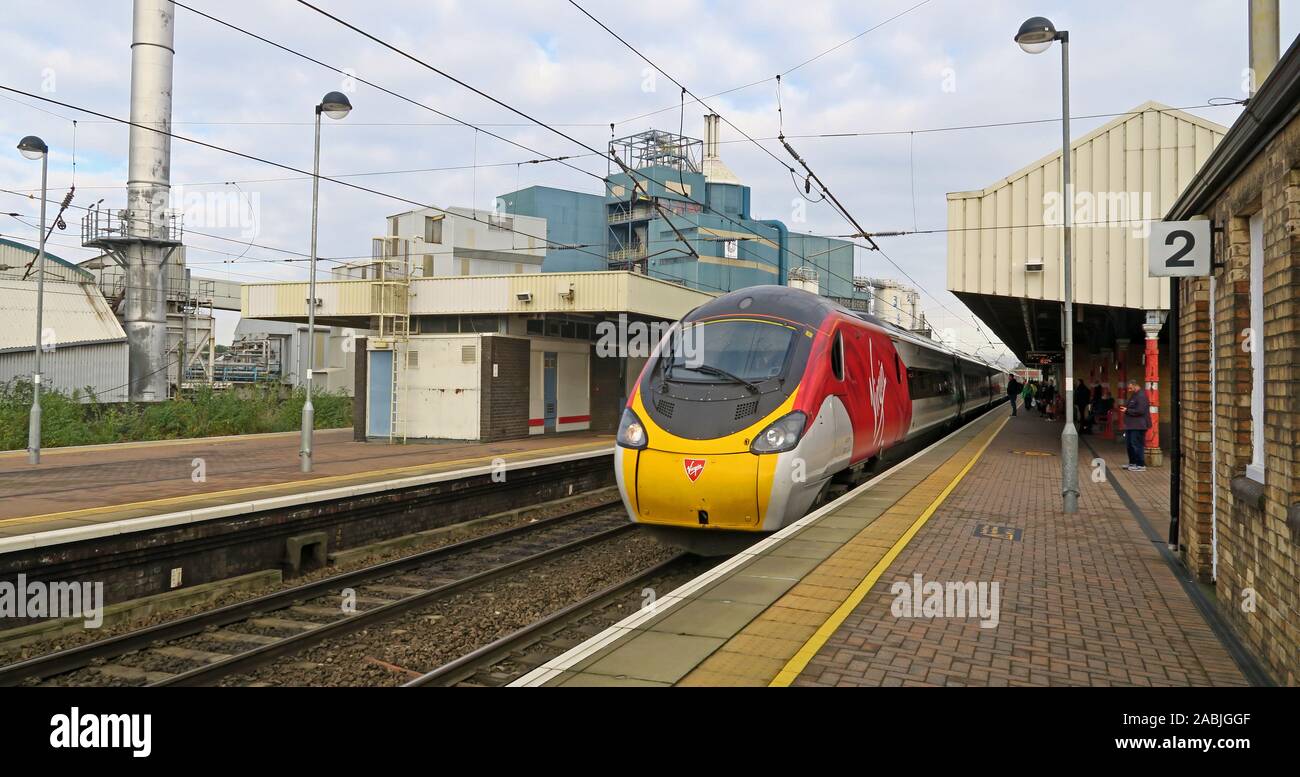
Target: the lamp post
pixel 334 105
pixel 1036 36
pixel 33 147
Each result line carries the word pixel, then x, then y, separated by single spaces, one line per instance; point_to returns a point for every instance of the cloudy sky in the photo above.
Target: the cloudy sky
pixel 941 63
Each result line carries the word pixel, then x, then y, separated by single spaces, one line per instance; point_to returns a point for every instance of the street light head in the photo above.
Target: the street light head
pixel 335 105
pixel 33 147
pixel 1036 35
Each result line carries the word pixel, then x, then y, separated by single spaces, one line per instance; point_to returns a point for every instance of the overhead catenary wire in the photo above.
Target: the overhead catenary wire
pixel 344 72
pixel 838 206
pixel 362 188
pixel 496 101
pixel 808 61
pixel 794 136
pixel 522 114
pixel 255 158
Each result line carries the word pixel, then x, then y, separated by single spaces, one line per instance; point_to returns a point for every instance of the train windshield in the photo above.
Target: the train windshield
pixel 731 350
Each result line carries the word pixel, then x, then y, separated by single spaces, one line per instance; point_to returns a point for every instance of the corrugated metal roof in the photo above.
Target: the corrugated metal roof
pixel 74 313
pixel 578 292
pixel 21 254
pixel 1125 174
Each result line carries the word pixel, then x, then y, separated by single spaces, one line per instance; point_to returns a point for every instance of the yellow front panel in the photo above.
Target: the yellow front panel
pixel 724 487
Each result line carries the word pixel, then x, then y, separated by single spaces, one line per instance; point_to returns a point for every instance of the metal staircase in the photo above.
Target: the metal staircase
pixel 390 289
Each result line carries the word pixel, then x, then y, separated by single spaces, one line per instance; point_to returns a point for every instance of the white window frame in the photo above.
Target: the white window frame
pixel 1255 469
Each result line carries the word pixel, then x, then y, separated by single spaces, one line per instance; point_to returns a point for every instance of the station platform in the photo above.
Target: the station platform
pixel 844 596
pixel 87 492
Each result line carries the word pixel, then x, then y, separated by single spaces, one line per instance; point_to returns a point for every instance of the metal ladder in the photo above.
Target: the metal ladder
pixel 392 283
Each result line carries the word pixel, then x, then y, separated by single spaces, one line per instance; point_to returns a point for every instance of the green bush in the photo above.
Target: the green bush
pixel 66 420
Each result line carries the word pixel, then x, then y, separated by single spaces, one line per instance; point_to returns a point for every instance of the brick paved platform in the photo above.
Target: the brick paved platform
pixel 88 487
pixel 1085 599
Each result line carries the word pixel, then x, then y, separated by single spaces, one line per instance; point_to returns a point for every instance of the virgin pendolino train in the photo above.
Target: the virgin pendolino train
pixel 760 403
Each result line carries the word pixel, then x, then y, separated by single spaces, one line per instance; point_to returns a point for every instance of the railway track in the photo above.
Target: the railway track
pixel 203 649
pixel 521 651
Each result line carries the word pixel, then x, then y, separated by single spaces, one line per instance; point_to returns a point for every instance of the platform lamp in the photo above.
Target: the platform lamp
pixel 33 147
pixel 1035 36
pixel 334 105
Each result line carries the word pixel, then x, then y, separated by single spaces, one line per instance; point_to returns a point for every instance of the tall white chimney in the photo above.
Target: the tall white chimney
pixel 715 171
pixel 148 186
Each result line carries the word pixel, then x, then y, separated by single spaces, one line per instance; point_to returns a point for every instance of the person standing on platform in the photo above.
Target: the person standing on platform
pixel 1137 420
pixel 1082 397
pixel 1013 392
pixel 1028 395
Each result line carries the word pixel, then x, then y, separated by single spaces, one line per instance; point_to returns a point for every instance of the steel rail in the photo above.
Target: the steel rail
pixel 465 666
pixel 251 659
pixel 71 659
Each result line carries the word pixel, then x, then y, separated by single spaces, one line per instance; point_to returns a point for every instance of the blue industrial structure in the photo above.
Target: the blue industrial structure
pixel 680 215
pixel 572 219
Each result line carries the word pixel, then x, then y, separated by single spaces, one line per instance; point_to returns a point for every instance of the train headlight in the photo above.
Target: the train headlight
pixel 631 432
pixel 782 435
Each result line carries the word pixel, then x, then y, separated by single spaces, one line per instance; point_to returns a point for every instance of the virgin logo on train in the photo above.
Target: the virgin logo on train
pixel 693 468
pixel 876 387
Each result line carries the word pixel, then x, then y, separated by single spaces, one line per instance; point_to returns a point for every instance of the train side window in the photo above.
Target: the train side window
pixel 898 371
pixel 837 356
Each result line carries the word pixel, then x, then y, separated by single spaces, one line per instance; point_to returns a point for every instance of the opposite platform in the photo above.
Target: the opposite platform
pixel 1082 599
pixel 85 492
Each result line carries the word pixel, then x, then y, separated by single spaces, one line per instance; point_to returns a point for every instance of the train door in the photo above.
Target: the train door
pixel 549 402
pixel 959 377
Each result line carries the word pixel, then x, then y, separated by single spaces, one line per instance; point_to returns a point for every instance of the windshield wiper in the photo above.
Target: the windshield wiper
pixel 709 369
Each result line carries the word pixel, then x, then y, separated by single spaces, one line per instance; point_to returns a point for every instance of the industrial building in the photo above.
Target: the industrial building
pixel 675 211
pixel 1005 244
pixel 276 352
pixel 457 241
pixel 189 304
pixel 485 325
pixel 487 357
pixel 85 347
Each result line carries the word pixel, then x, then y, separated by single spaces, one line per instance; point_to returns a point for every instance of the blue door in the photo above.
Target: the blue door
pixel 548 390
pixel 379 417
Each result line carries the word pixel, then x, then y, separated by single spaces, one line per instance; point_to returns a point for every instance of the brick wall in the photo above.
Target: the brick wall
pixel 359 386
pixel 503 412
pixel 1258 533
pixel 1194 527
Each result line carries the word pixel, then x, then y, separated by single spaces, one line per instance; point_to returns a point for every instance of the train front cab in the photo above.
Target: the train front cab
pixel 841 379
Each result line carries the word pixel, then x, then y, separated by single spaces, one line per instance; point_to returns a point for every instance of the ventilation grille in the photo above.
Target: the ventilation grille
pixel 665 408
pixel 746 409
pixel 412 360
pixel 468 354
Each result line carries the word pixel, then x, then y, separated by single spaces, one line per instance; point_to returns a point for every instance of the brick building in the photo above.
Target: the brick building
pixel 1237 516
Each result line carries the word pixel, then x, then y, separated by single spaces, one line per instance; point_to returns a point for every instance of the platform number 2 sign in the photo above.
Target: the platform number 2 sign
pixel 1180 248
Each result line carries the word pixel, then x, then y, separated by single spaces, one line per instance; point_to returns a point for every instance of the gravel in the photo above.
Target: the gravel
pixel 395 652
pixel 14 654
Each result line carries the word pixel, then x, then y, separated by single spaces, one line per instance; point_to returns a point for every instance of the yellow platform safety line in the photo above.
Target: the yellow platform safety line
pixel 795 666
pixel 168 443
pixel 431 468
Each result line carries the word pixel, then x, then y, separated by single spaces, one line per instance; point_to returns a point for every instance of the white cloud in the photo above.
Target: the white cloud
pixel 553 63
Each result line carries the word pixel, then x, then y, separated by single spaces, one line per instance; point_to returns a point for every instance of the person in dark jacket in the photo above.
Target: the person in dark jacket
pixel 1137 420
pixel 1013 392
pixel 1082 397
pixel 1045 394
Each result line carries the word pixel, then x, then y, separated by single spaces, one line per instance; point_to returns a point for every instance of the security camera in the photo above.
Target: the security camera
pixel 524 296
